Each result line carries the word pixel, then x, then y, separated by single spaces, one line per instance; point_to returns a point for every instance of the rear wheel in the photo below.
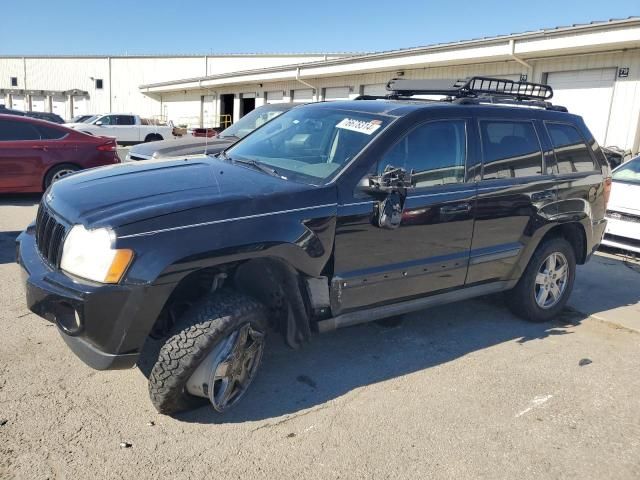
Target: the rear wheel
pixel 547 282
pixel 213 353
pixel 58 172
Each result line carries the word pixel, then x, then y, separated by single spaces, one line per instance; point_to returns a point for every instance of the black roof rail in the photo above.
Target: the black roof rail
pixel 471 87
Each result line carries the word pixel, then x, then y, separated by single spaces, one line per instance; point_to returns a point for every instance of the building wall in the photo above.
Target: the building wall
pixel 122 77
pixel 623 114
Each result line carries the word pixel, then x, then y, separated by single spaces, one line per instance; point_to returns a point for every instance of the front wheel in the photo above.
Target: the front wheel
pixel 213 353
pixel 547 282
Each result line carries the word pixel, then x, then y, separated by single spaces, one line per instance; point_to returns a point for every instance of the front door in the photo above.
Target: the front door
pixel 429 251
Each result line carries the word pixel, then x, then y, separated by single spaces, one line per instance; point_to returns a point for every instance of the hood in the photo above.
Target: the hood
pixel 181 146
pixel 125 194
pixel 624 197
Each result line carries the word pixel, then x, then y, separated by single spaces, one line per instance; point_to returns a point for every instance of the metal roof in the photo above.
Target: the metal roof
pixel 412 50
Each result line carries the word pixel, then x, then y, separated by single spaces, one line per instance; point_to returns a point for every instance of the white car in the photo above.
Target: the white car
pixel 623 210
pixel 127 129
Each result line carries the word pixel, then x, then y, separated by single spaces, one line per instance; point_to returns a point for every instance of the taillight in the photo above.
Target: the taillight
pixel 107 147
pixel 607 191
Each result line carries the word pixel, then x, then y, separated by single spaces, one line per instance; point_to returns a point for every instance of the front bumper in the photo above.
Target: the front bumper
pixel 104 325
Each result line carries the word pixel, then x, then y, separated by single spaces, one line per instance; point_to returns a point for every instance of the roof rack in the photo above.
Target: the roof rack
pixel 471 87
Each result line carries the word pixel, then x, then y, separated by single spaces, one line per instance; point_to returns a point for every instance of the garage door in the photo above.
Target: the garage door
pixel 79 106
pixel 38 103
pixel 336 93
pixel 208 111
pixel 587 93
pixel 303 95
pixel 59 106
pixel 275 97
pixel 375 89
pixel 17 102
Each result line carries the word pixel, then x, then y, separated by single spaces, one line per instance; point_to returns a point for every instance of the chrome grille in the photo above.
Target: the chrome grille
pixel 49 236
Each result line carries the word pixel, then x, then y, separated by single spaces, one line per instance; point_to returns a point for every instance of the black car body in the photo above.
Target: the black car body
pixel 327 251
pixel 192 145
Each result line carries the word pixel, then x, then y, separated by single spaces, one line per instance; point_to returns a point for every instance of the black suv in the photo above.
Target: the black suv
pixel 330 215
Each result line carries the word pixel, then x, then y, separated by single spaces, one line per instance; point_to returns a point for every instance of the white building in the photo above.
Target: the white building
pixel 593 68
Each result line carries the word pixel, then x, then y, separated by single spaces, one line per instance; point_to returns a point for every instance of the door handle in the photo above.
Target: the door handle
pixel 451 209
pixel 544 195
pixel 40 147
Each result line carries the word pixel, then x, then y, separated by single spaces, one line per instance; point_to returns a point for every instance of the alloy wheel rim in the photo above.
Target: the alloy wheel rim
pixel 551 280
pixel 235 367
pixel 60 174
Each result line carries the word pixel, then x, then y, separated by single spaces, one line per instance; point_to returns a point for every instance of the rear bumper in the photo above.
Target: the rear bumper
pixel 104 325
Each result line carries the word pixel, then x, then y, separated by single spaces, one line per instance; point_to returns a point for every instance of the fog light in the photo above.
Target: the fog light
pixel 68 319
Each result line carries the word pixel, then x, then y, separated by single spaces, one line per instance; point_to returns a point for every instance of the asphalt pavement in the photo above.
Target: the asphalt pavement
pixel 460 391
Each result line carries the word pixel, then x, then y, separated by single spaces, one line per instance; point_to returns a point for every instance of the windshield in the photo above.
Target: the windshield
pixel 628 172
pixel 253 120
pixel 310 143
pixel 90 119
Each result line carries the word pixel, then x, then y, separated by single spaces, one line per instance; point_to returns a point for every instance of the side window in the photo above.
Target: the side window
pixel 511 149
pixel 125 120
pixel 572 154
pixel 435 151
pixel 107 120
pixel 48 133
pixel 12 131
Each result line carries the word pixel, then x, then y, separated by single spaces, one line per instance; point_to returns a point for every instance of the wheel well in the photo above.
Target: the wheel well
pixel 153 136
pixel 574 234
pixel 271 281
pixel 66 164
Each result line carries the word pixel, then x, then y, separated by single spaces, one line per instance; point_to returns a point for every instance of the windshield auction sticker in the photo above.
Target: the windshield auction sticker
pixel 360 126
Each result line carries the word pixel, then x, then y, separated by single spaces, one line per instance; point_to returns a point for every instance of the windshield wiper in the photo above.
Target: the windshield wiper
pixel 255 164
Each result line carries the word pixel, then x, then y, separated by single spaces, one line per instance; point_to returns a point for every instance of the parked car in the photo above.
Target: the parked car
pixel 194 145
pixel 50 117
pixel 35 153
pixel 303 225
pixel 623 213
pixel 126 128
pixel 80 119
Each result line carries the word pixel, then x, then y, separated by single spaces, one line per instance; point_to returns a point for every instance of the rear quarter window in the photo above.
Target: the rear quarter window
pixel 572 153
pixel 48 133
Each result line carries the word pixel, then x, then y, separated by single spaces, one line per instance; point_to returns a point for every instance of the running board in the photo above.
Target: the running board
pixel 377 313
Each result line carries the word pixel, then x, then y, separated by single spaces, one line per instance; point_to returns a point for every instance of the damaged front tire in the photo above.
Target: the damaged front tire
pixel 214 352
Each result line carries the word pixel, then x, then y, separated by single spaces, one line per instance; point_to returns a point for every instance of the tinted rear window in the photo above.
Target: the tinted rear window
pixel 572 154
pixel 48 133
pixel 511 149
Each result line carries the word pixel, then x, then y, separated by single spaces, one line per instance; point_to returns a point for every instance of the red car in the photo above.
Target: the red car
pixel 35 153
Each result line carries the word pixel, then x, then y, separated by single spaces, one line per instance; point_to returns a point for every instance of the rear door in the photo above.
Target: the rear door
pixel 21 155
pixel 516 194
pixel 429 251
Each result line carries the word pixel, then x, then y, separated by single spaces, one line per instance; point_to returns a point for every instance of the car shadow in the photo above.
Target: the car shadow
pixel 334 364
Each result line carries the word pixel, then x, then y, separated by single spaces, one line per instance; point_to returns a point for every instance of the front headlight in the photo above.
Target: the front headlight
pixel 89 254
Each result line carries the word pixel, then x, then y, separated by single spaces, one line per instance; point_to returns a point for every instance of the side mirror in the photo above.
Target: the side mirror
pixel 392 179
pixel 99 123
